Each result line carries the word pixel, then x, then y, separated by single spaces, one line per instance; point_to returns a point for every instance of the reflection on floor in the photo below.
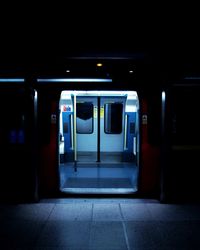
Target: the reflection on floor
pixel 111 157
pixel 99 178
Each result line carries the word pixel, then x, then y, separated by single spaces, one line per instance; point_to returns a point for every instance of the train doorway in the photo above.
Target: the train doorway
pixel 99 142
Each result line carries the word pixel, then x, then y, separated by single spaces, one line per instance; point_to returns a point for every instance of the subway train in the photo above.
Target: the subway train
pixel 109 135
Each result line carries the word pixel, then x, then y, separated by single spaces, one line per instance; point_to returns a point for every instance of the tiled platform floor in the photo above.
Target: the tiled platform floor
pixel 94 224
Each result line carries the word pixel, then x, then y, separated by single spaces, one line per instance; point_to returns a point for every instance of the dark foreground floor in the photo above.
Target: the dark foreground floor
pixel 96 224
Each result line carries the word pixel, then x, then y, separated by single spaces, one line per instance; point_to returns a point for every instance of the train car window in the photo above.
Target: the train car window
pixel 84 118
pixel 113 114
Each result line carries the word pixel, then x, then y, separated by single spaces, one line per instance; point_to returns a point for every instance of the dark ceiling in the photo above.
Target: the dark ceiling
pixel 44 42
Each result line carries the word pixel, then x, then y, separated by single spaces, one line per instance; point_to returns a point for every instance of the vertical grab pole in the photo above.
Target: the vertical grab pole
pixel 125 132
pixel 98 129
pixel 72 132
pixel 75 139
pixel 134 145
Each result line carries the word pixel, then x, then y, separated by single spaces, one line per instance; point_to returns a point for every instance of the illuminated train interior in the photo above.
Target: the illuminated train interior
pixel 99 142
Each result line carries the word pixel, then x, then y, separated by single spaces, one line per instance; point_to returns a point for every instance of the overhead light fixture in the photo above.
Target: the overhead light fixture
pixel 12 80
pixel 68 71
pixel 163 96
pixel 74 80
pixel 192 78
pixel 130 94
pixel 130 71
pixel 99 64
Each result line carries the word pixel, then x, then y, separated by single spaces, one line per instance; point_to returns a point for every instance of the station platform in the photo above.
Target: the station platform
pixel 99 224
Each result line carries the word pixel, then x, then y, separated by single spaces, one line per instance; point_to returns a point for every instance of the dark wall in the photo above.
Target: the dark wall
pixel 183 133
pixel 17 179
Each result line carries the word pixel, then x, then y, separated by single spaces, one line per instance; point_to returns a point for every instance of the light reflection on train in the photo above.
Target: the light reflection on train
pixel 99 141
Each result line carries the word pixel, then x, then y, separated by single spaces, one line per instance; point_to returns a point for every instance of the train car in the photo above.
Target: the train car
pixel 80 136
pixel 98 140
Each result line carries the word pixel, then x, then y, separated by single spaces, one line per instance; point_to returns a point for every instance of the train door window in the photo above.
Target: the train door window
pixel 84 114
pixel 113 116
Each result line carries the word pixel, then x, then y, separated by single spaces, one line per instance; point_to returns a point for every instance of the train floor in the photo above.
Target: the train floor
pixel 99 177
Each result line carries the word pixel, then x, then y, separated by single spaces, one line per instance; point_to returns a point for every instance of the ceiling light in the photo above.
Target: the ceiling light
pixel 73 80
pixel 99 64
pixel 12 80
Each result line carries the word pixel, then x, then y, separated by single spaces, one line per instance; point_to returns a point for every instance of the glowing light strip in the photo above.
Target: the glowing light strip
pixel 74 80
pixel 192 78
pixel 163 96
pixel 131 95
pixel 12 80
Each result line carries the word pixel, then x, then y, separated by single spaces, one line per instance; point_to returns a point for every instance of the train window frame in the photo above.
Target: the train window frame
pixel 92 128
pixel 113 133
